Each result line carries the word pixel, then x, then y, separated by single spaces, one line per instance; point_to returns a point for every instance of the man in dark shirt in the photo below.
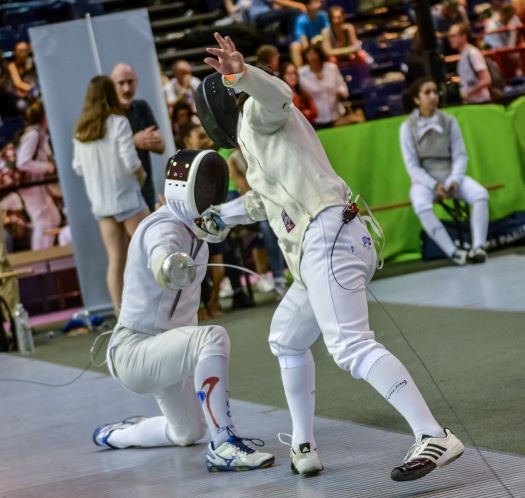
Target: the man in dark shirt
pixel 146 135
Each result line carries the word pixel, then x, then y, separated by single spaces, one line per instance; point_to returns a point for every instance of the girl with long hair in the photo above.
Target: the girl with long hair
pixel 301 98
pixel 104 155
pixel 436 160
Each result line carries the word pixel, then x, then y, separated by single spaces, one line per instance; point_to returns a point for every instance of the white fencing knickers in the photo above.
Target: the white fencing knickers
pixel 341 315
pixel 164 365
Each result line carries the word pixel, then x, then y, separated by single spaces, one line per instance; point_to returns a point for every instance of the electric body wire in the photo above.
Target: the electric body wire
pixel 427 370
pixel 385 310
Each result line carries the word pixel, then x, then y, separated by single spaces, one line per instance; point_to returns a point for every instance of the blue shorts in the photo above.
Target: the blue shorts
pixel 124 215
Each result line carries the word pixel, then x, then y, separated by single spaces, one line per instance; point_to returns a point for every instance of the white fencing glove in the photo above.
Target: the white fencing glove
pixel 211 222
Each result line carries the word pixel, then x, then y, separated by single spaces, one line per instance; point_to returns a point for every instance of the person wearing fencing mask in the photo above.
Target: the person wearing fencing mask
pixel 330 252
pixel 157 346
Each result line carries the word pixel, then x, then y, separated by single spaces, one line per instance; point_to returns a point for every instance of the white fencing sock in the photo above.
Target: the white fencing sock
pixel 146 434
pixel 436 231
pixel 213 391
pixel 479 222
pixel 298 374
pixel 391 379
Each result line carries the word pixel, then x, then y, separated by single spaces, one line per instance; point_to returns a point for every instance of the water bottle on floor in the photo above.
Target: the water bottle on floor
pixel 24 334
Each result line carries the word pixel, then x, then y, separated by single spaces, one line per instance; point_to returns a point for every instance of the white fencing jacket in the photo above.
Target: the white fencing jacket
pixel 287 166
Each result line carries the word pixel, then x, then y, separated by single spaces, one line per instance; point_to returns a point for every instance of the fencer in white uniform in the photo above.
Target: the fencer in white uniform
pixel 295 186
pixel 436 160
pixel 157 346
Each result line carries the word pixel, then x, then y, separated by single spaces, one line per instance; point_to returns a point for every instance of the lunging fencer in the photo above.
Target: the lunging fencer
pixel 436 160
pixel 157 347
pixel 306 203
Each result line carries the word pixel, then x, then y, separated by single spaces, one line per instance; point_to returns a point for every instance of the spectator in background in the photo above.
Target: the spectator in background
pixel 340 41
pixel 325 83
pixel 519 5
pixel 181 117
pixel 146 135
pixel 505 18
pixel 307 30
pixel 414 65
pixel 8 286
pixel 472 67
pixel 183 85
pixel 436 161
pixel 266 12
pixel 268 56
pixel 237 167
pixel 447 13
pixel 105 156
pixel 35 159
pixel 23 74
pixel 301 99
pixel 8 107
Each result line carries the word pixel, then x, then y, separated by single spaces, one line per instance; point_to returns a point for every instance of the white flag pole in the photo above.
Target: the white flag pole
pixel 93 44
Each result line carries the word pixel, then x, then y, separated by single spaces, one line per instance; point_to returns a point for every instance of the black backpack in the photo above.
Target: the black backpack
pixel 498 82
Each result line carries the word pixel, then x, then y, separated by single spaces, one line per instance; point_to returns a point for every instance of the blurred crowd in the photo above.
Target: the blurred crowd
pixel 322 60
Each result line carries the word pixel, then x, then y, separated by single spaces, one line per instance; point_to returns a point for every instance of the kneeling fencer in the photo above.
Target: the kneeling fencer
pixel 328 250
pixel 157 346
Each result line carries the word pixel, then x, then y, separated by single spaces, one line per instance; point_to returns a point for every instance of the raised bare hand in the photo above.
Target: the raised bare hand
pixel 229 60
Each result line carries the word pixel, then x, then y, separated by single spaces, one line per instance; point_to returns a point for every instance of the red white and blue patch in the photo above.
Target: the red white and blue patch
pixel 367 241
pixel 288 223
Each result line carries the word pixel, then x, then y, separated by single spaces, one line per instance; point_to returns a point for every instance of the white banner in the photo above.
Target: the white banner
pixel 66 60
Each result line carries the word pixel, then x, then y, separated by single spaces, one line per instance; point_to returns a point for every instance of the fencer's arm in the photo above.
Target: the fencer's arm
pixel 244 210
pixel 171 266
pixel 412 163
pixel 272 99
pixel 459 155
pixel 174 271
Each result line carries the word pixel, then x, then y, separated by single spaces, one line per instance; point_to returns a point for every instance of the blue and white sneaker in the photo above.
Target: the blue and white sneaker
pixel 235 455
pixel 102 432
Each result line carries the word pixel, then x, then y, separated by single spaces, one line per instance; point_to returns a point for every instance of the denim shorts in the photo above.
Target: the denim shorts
pixel 124 215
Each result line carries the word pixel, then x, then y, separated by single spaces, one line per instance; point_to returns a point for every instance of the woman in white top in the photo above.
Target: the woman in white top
pixel 104 155
pixel 34 157
pixel 325 83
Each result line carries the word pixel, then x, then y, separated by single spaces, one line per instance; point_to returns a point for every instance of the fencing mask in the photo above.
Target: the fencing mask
pixel 198 178
pixel 217 110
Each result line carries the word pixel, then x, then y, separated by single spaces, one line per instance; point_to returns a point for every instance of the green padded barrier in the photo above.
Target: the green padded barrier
pixel 368 157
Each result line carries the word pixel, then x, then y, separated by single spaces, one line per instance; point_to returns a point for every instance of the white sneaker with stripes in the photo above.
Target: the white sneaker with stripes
pixel 427 454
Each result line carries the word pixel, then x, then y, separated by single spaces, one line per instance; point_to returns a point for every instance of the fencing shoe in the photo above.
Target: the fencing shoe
pixel 102 433
pixel 427 454
pixel 478 255
pixel 305 459
pixel 235 455
pixel 460 257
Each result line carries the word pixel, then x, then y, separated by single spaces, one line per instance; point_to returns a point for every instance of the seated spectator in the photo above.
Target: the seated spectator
pixel 181 117
pixel 307 29
pixel 8 286
pixel 447 13
pixel 264 13
pixel 519 5
pixel 8 107
pixel 35 159
pixel 301 99
pixel 472 68
pixel 340 41
pixel 436 161
pixel 23 75
pixel 268 56
pixel 505 18
pixel 183 85
pixel 325 83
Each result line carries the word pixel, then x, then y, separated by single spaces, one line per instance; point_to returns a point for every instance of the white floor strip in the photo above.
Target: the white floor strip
pixel 498 284
pixel 47 451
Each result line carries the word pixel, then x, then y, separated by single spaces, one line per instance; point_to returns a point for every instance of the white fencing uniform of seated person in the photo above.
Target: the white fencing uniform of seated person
pixel 434 153
pixel 157 346
pixel 303 199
